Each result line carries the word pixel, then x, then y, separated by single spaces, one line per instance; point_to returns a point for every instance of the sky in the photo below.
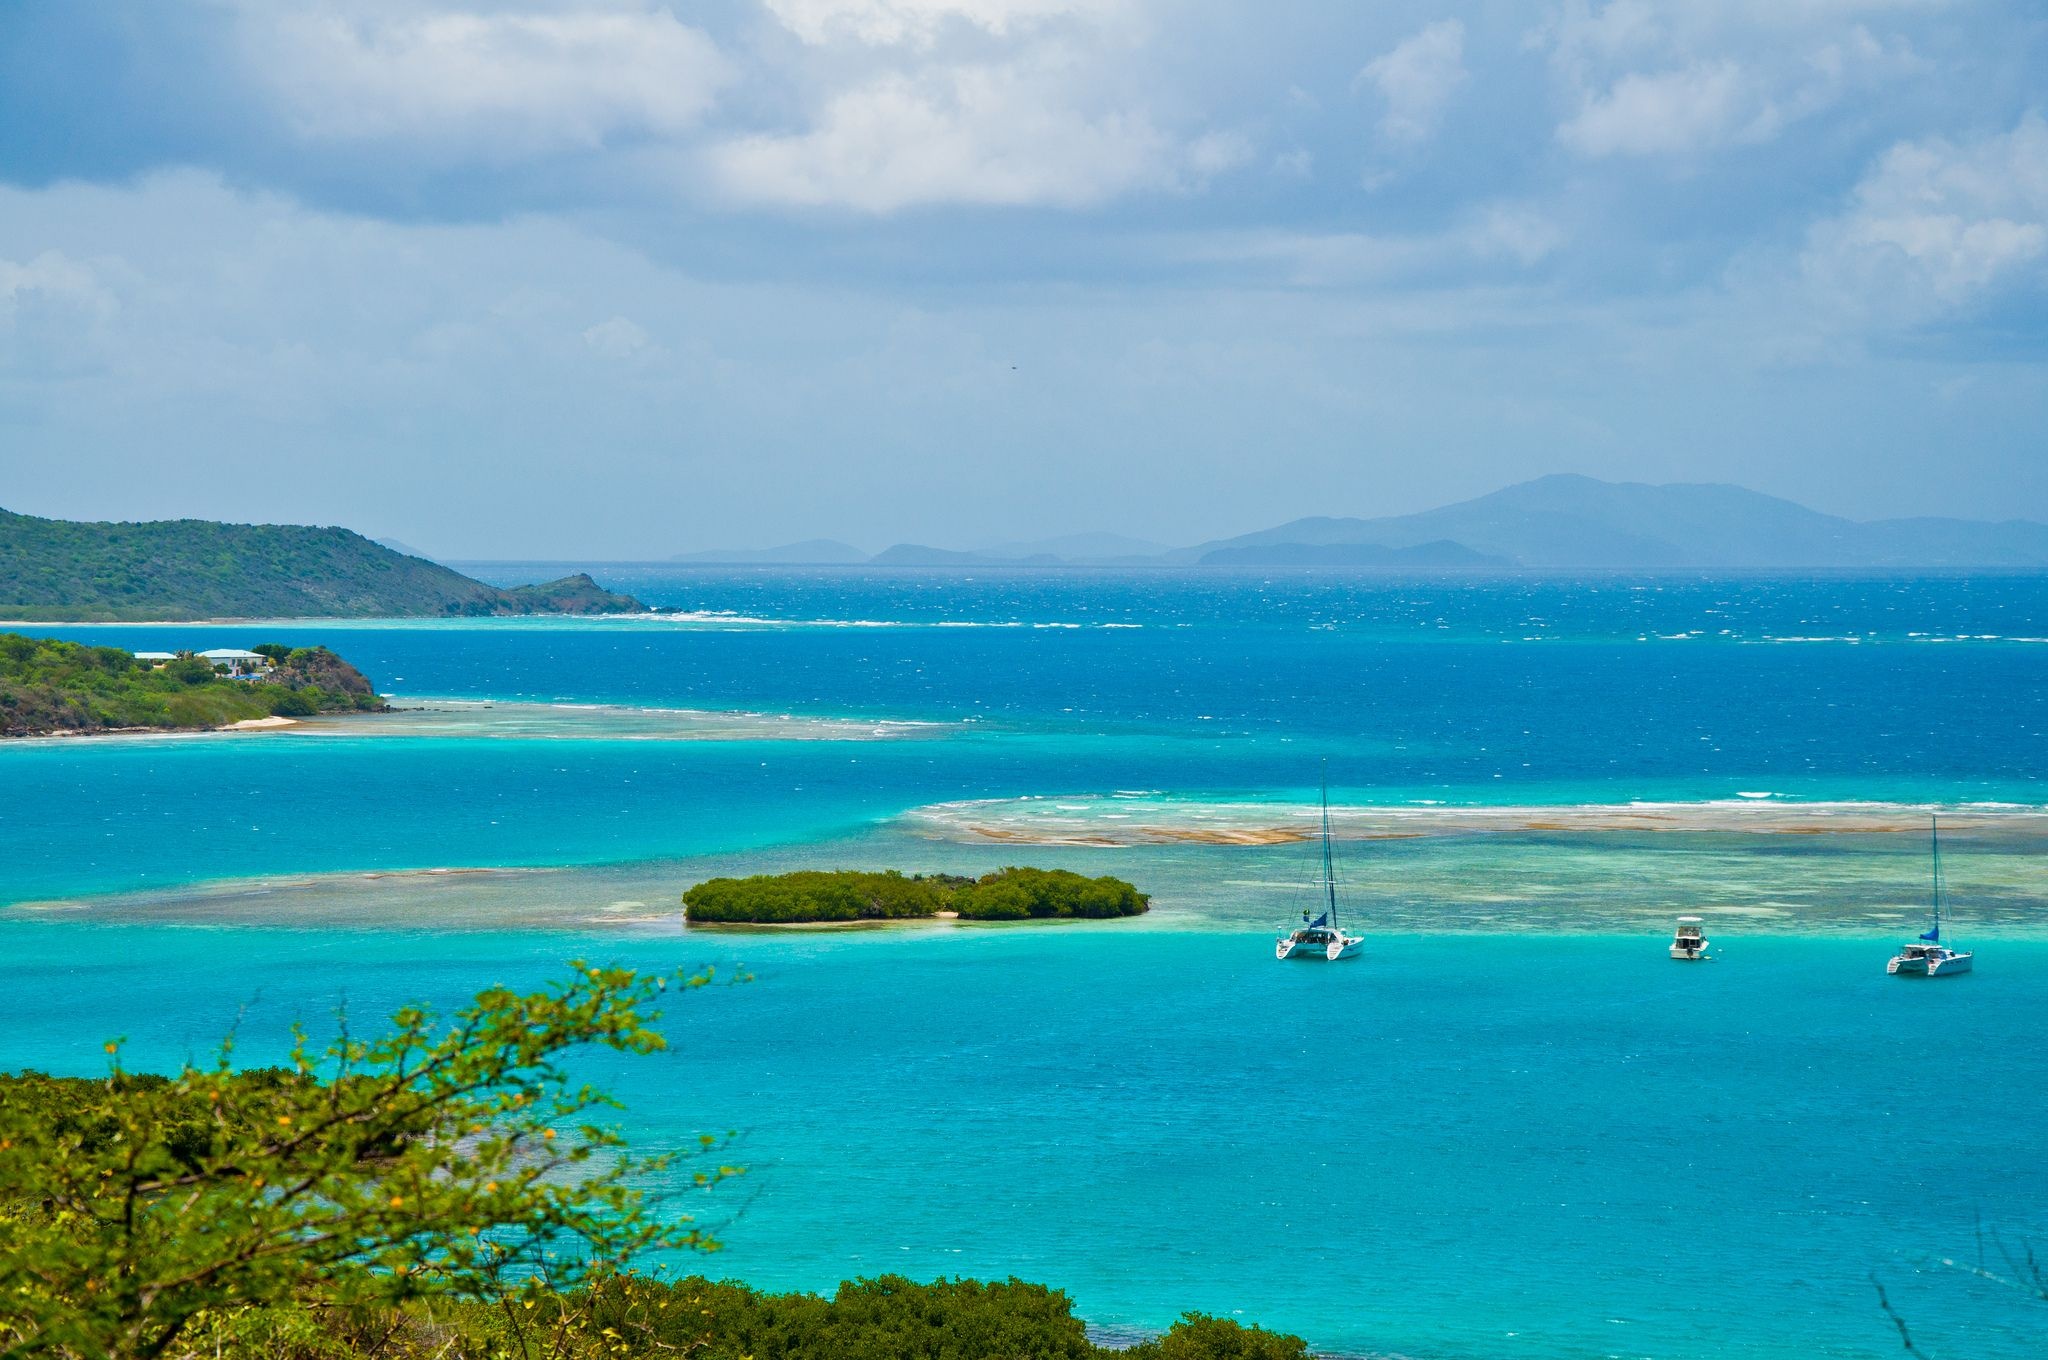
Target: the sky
pixel 617 279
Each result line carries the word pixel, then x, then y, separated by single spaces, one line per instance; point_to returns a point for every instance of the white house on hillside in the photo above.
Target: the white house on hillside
pixel 237 662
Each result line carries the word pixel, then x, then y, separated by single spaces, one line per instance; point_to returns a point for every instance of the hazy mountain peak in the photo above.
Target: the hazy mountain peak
pixel 1567 520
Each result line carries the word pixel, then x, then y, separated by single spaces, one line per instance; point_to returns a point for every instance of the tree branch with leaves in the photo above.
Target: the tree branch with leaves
pixel 443 1158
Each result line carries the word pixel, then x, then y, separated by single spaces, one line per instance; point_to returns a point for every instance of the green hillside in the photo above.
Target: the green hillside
pixel 197 569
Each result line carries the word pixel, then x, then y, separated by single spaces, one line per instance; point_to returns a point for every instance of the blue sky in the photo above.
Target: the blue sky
pixel 623 278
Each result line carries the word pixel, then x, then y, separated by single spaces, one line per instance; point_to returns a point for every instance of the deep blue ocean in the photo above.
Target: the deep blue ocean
pixel 1513 1128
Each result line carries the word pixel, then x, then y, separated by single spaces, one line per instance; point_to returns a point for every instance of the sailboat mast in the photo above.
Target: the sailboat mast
pixel 1329 869
pixel 1934 830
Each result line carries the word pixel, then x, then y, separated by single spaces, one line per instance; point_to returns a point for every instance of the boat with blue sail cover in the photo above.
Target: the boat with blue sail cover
pixel 1928 956
pixel 1321 938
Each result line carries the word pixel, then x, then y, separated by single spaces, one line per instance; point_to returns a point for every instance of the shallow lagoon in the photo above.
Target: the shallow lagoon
pixel 1458 1145
pixel 1515 1116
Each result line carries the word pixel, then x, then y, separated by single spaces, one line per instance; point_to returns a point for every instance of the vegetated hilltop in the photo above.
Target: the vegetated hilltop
pixel 811 896
pixel 49 687
pixel 198 569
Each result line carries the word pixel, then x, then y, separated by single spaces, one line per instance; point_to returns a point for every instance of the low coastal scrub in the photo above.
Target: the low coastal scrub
pixel 634 1317
pixel 439 1192
pixel 812 896
pixel 48 686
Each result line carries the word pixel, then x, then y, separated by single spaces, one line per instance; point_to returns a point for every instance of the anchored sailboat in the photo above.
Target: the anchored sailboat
pixel 1928 956
pixel 1321 938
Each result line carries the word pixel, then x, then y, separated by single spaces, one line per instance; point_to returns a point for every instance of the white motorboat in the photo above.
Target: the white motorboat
pixel 1928 956
pixel 1688 943
pixel 1321 938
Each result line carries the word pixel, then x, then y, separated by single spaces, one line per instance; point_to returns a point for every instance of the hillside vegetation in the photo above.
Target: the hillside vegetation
pixel 198 569
pixel 48 686
pixel 813 896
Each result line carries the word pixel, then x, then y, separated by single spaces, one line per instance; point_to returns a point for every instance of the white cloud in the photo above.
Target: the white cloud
pixel 617 338
pixel 984 134
pixel 1703 105
pixel 1013 103
pixel 56 314
pixel 503 84
pixel 53 278
pixel 1518 232
pixel 918 22
pixel 1297 163
pixel 1676 80
pixel 1937 223
pixel 1417 79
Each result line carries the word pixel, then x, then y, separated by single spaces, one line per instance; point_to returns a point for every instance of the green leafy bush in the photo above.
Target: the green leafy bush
pixel 1018 894
pixel 437 1161
pixel 813 895
pixel 626 1316
pixel 1200 1337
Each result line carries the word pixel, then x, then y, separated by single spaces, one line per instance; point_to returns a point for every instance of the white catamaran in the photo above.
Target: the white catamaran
pixel 1928 956
pixel 1321 938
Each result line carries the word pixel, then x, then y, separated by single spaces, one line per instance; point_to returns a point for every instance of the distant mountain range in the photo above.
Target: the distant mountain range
pixel 1559 522
pixel 1068 550
pixel 197 569
pixel 810 552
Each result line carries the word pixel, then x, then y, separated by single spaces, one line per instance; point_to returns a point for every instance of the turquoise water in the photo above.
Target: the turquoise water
pixel 1514 1129
pixel 1475 1145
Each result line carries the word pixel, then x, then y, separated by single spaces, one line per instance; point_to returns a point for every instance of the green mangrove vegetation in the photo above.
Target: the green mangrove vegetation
pixel 813 896
pixel 48 686
pixel 440 1191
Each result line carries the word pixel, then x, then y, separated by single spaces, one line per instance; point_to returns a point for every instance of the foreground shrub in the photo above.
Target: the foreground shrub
pixel 629 1317
pixel 432 1161
pixel 1200 1337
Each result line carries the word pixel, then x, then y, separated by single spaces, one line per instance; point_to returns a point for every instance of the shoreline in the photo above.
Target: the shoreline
pixel 272 723
pixel 433 716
